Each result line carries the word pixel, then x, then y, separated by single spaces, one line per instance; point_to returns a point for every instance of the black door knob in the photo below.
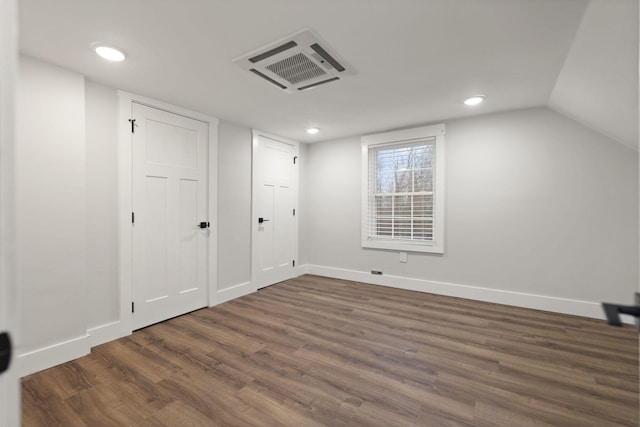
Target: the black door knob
pixel 261 220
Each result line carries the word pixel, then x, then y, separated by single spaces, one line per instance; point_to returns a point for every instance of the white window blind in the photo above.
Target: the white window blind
pixel 401 179
pixel 403 190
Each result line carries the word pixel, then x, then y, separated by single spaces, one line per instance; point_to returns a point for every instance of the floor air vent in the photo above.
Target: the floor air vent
pixel 296 63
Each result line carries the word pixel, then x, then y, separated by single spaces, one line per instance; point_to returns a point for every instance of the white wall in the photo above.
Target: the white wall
pixel 68 217
pixel 234 202
pixel 601 66
pixel 234 192
pixel 234 206
pixel 525 193
pixel 103 290
pixel 536 204
pixel 51 213
pixel 303 196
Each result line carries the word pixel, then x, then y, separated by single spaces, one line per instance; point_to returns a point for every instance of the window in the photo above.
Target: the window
pixel 403 190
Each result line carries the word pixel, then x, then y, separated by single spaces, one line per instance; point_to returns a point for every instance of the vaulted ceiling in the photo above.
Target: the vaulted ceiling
pixel 415 60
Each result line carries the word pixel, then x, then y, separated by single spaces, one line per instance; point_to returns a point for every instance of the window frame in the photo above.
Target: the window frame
pixel 389 139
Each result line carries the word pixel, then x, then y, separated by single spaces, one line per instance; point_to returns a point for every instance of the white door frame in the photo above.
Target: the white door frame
pixel 125 199
pixel 10 409
pixel 296 186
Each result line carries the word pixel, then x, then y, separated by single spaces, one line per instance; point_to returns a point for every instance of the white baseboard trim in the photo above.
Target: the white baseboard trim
pixel 517 299
pixel 48 357
pixel 104 333
pixel 300 270
pixel 233 292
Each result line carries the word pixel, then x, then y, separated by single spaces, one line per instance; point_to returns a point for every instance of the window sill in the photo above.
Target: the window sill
pixel 404 247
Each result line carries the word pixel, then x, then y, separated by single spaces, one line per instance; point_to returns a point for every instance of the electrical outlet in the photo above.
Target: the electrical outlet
pixel 403 257
pixel 376 272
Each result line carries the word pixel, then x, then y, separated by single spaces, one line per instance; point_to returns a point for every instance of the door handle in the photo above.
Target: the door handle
pixel 204 224
pixel 261 220
pixel 5 351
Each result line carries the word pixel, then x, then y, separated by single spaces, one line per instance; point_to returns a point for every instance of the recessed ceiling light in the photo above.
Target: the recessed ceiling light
pixel 312 131
pixel 474 100
pixel 108 52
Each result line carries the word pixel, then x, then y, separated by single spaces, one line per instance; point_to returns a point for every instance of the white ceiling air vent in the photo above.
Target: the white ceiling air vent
pixel 295 63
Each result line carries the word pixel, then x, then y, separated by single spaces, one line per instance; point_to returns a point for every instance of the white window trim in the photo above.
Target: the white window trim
pixel 437 244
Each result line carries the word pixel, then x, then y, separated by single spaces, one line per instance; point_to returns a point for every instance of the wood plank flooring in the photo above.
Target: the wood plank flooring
pixel 322 352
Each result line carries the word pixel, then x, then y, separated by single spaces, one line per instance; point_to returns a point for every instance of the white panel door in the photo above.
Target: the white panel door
pixel 9 379
pixel 170 170
pixel 274 226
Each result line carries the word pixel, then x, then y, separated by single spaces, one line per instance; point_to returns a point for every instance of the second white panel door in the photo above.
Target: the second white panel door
pixel 274 195
pixel 170 170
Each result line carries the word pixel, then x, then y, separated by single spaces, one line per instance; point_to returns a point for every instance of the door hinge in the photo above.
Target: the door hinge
pixel 294 159
pixel 133 125
pixel 133 307
pixel 133 217
pixel 294 212
pixel 294 262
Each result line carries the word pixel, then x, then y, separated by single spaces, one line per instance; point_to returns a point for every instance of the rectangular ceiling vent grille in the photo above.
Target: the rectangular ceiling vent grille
pixel 296 63
pixel 295 69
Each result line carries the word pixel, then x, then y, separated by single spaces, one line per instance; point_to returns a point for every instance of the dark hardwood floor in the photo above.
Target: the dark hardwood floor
pixel 317 351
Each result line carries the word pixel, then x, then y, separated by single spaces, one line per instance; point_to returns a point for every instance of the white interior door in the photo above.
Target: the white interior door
pixel 170 170
pixel 274 228
pixel 9 380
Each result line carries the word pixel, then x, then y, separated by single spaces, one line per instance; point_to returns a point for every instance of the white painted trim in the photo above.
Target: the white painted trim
pixel 213 213
pixel 301 270
pixel 125 197
pixel 10 301
pixel 125 203
pixel 48 357
pixel 234 292
pixel 399 137
pixel 104 333
pixel 170 108
pixel 255 133
pixel 498 296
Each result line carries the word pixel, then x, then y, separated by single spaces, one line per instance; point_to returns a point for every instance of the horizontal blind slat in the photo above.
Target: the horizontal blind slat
pixel 400 193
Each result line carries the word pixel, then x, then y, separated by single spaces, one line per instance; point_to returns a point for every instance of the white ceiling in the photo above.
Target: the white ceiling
pixel 416 60
pixel 598 84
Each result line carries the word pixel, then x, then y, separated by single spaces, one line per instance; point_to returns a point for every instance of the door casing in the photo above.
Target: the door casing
pixel 125 199
pixel 10 409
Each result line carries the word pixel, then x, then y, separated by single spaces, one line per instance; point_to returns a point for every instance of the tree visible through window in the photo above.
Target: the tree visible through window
pixel 402 184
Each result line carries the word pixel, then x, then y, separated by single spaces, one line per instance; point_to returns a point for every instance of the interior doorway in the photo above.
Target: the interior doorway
pixel 274 202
